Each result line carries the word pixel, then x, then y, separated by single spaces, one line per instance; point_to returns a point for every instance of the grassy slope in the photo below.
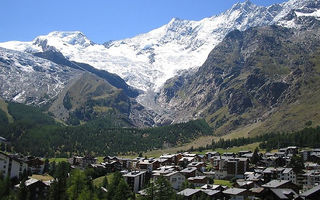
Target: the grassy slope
pixel 204 140
pixel 4 107
pixel 98 181
pixel 42 177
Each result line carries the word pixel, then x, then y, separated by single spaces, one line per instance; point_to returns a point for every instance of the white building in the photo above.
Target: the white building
pixel 11 166
pixel 176 179
pixel 135 179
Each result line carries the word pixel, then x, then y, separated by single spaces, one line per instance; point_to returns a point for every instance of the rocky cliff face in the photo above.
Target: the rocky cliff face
pixel 31 80
pixel 251 77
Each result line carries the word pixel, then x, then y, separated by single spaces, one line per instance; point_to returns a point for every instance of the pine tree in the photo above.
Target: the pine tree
pixel 105 182
pixel 161 189
pixel 112 187
pixel 123 191
pixel 256 157
pixel 297 164
pixel 23 193
pixel 77 183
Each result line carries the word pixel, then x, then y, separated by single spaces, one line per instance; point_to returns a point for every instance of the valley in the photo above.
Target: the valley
pixel 245 72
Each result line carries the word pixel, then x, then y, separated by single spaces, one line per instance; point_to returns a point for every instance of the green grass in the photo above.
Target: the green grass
pixel 57 160
pixel 98 181
pixel 42 177
pixel 4 108
pixel 222 182
pixel 250 147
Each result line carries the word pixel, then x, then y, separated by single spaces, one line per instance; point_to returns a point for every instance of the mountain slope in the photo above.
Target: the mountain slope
pixel 31 80
pixel 72 92
pixel 266 75
pixel 58 58
pixel 148 60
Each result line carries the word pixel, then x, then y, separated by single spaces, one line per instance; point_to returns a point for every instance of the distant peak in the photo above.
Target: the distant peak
pixel 66 33
pixel 175 19
pixel 63 37
pixel 243 5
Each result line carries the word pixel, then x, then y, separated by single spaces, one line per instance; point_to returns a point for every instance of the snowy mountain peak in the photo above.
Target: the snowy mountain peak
pixel 148 60
pixel 58 38
pixel 246 5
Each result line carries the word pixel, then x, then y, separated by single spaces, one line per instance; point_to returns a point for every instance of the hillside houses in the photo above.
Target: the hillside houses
pixel 272 176
pixel 192 176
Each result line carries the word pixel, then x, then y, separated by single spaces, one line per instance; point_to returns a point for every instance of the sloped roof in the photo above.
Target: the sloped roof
pixel 234 191
pixel 275 183
pixel 311 191
pixel 188 192
pixel 284 193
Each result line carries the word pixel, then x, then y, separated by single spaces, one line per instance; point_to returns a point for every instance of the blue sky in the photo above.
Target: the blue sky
pixel 101 20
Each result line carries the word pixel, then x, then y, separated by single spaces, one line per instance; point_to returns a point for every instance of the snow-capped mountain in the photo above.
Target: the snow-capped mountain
pixel 31 80
pixel 148 60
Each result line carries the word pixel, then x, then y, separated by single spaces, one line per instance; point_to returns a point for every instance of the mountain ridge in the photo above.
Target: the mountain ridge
pixel 148 60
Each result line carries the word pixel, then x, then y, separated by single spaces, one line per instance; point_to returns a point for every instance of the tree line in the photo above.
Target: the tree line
pixel 34 132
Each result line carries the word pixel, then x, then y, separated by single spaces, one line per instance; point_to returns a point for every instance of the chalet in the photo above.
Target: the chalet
pixel 213 194
pixel 184 161
pixel 236 193
pixel 271 173
pixel 315 157
pixel 247 155
pixel 112 166
pixel 240 183
pixel 164 162
pixel 209 155
pixel 148 165
pixel 176 179
pixel 198 181
pixel 135 180
pixel 110 159
pixel 311 166
pixel 281 184
pixel 311 178
pixel 210 174
pixel 38 189
pixel 229 154
pixel 82 161
pixel 201 166
pixel 241 153
pixel 256 178
pixel 36 165
pixel 191 172
pixel 230 167
pixel 170 158
pixel 257 192
pixel 312 194
pixel 189 194
pixel 126 163
pixel 281 194
pixel 289 150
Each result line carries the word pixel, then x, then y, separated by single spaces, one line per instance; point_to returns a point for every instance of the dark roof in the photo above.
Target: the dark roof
pixel 188 192
pixel 257 190
pixel 275 183
pixel 311 191
pixel 211 192
pixel 188 170
pixel 234 191
pixel 284 193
